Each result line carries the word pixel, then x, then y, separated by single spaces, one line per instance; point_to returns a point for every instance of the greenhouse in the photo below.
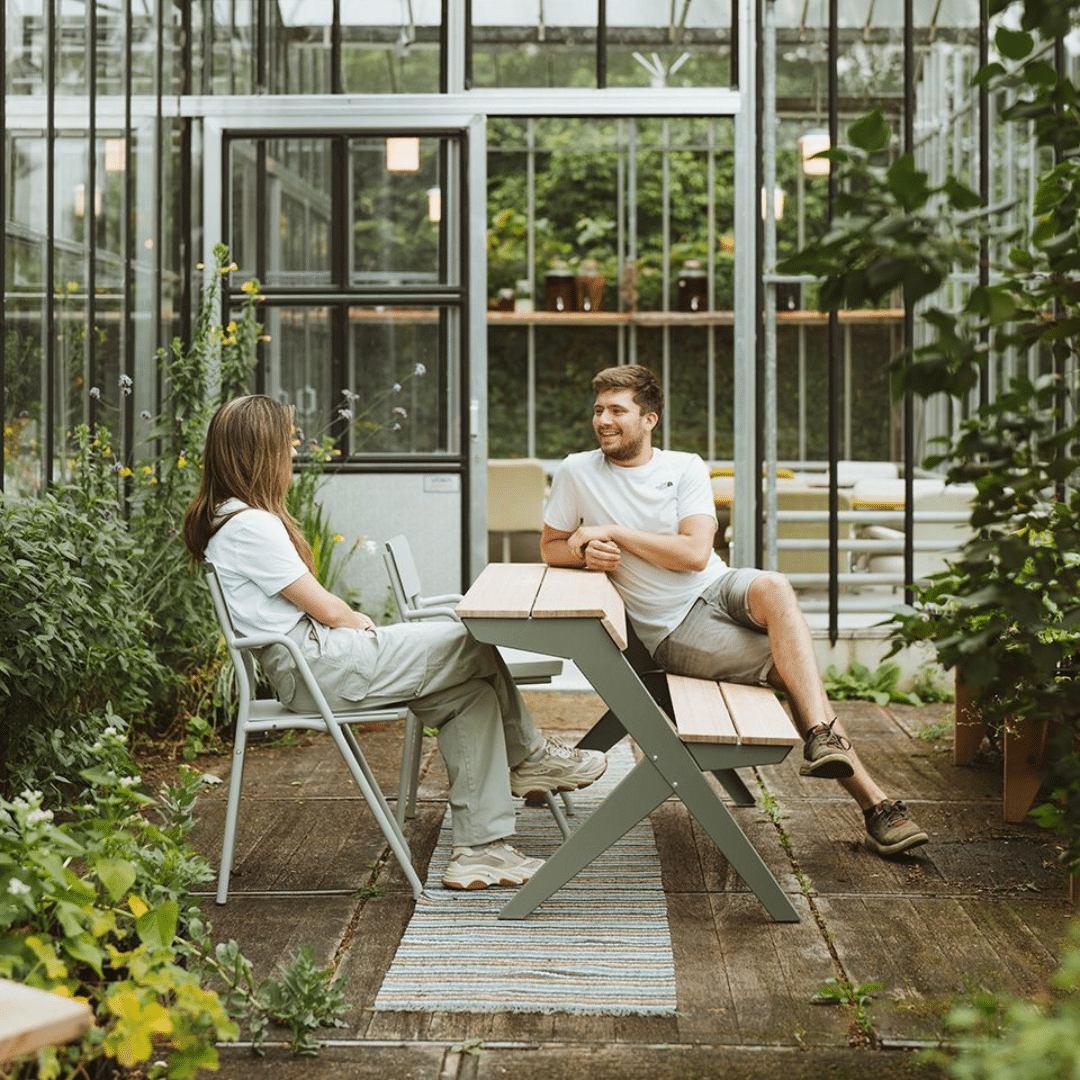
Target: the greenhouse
pixel 504 197
pixel 311 311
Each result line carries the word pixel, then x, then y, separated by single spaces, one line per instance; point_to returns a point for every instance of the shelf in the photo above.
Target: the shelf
pixel 678 318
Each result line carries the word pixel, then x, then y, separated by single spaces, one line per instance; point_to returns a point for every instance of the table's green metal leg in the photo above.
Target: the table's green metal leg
pixel 675 770
pixel 604 734
pixel 734 785
pixel 640 792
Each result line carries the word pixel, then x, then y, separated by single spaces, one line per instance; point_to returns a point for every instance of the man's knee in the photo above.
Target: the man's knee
pixel 770 593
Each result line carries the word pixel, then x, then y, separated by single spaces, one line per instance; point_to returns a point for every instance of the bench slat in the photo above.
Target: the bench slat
pixel 700 713
pixel 759 716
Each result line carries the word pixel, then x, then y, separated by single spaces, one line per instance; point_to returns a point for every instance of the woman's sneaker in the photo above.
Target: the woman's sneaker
pixel 493 864
pixel 890 831
pixel 560 768
pixel 825 754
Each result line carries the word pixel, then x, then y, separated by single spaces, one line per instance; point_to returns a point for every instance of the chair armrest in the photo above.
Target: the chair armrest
pixel 430 613
pixel 260 641
pixel 442 599
pixel 881 532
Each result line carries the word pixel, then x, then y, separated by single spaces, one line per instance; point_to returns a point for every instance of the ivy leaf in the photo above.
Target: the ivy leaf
pixel 1013 44
pixel 117 875
pixel 158 927
pixel 870 132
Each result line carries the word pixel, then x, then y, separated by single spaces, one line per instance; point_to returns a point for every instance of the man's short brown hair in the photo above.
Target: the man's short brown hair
pixel 648 394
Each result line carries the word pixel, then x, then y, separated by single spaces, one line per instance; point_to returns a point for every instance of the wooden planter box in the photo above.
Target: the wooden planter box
pixel 1024 747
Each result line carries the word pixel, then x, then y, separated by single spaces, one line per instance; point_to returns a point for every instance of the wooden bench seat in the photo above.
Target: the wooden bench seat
pixel 729 713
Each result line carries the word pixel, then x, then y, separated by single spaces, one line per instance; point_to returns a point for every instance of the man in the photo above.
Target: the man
pixel 645 516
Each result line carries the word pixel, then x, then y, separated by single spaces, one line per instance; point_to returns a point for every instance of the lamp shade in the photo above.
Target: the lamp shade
pixel 402 154
pixel 814 142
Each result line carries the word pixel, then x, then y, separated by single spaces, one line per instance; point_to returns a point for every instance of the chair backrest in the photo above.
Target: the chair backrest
pixel 404 577
pixel 809 562
pixel 516 489
pixel 243 662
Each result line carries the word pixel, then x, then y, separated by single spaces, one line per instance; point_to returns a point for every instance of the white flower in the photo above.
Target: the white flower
pixel 399 411
pixel 397 388
pixel 125 385
pixel 396 427
pixel 95 392
pixel 345 414
pixel 17 887
pixel 130 781
pixel 36 817
pixel 370 547
pixel 419 370
pixel 146 414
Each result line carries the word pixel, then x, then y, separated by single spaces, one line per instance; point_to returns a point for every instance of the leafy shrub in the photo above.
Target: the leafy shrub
pixel 860 683
pixel 74 636
pixel 94 907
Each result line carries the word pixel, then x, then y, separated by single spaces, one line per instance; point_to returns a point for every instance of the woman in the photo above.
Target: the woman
pixel 491 746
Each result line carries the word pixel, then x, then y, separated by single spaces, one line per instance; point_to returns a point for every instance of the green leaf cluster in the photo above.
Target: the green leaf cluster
pixel 95 907
pixel 1006 612
pixel 881 685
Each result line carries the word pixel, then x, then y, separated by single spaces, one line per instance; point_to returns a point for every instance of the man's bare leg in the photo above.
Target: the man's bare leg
pixel 774 605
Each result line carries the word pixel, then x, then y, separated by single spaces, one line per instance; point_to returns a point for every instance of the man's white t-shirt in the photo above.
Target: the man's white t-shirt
pixel 587 489
pixel 255 560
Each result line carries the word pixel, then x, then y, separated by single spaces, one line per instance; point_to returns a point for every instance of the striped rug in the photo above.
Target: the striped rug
pixel 600 945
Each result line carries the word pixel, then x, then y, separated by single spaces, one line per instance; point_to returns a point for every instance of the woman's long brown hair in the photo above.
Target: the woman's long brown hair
pixel 248 457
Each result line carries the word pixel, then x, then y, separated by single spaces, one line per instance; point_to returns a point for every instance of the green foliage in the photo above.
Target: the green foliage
pixel 1007 610
pixel 73 641
pixel 855 997
pixel 1010 1039
pixel 860 683
pixel 103 608
pixel 302 998
pixel 94 907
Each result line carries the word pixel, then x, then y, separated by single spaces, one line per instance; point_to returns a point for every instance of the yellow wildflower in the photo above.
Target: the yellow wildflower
pixel 338 538
pixel 125 471
pixel 181 462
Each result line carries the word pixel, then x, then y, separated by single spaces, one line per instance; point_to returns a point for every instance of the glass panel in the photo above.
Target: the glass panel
pixel 399 390
pixel 534 43
pixel 298 364
pixel 567 357
pixel 391 48
pixel 25 47
pixel 230 37
pixel 300 47
pixel 298 209
pixel 24 435
pixel 659 44
pixel 396 203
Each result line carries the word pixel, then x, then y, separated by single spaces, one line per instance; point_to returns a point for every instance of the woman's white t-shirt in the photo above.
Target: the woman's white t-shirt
pixel 255 560
pixel 587 489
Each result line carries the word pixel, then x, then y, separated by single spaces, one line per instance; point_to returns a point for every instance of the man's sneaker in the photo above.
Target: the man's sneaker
pixel 889 830
pixel 825 754
pixel 561 768
pixel 495 864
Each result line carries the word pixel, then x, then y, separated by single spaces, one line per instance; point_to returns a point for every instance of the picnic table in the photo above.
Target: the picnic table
pixel 578 615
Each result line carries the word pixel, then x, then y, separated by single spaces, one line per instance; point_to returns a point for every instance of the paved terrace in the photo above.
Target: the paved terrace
pixel 983 906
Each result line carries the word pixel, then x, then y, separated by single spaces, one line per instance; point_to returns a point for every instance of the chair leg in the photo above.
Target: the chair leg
pixel 409 781
pixel 556 813
pixel 232 814
pixel 369 788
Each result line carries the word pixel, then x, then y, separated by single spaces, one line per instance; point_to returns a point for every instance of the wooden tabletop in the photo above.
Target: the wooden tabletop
pixel 32 1018
pixel 537 591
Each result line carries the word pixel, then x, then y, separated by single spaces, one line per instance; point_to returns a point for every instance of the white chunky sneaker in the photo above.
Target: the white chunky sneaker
pixel 562 768
pixel 493 864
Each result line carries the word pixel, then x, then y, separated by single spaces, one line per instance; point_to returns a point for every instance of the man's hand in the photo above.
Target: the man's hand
pixel 602 555
pixel 583 535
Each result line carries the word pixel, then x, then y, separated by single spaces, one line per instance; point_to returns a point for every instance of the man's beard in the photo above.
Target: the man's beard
pixel 626 450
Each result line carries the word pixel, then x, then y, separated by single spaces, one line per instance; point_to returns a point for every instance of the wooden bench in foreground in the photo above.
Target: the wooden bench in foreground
pixel 32 1018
